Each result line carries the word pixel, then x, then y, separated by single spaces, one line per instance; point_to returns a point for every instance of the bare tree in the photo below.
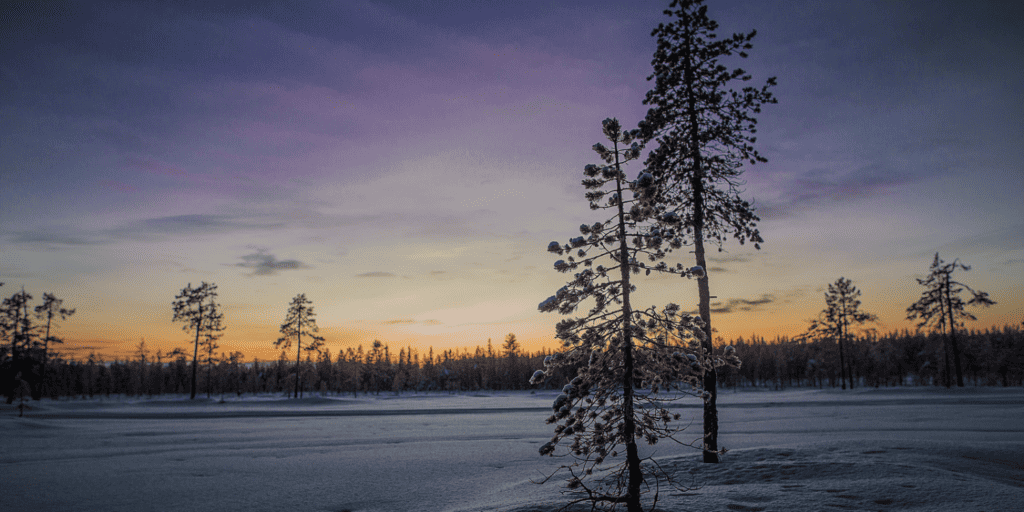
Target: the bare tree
pixel 705 133
pixel 842 310
pixel 614 348
pixel 940 306
pixel 198 309
pixel 300 321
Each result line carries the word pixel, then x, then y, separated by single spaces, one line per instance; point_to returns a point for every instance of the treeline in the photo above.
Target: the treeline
pixel 993 357
pixel 350 371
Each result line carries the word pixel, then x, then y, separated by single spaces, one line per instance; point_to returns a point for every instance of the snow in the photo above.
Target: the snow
pixel 921 449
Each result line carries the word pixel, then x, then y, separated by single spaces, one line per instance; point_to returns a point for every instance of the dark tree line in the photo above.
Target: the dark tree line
pixel 990 357
pixel 26 338
pixel 376 369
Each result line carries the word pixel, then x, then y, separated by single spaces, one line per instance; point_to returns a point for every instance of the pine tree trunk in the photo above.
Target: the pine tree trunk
pixel 710 373
pixel 195 354
pixel 952 339
pixel 703 290
pixel 15 355
pixel 46 350
pixel 298 360
pixel 847 349
pixel 635 477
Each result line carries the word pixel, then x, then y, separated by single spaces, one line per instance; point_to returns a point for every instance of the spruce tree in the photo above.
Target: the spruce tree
pixel 705 133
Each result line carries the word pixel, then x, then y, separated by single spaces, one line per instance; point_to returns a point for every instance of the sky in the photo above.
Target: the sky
pixel 405 164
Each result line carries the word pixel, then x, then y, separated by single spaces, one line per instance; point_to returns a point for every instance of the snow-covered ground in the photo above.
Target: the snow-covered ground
pixel 920 449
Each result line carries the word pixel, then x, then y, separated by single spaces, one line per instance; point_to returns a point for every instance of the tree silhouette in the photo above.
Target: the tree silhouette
pixel 614 347
pixel 705 132
pixel 842 310
pixel 940 306
pixel 49 310
pixel 209 348
pixel 198 309
pixel 299 321
pixel 511 346
pixel 19 335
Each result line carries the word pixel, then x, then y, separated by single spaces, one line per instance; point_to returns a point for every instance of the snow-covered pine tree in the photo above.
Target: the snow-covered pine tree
pixel 940 306
pixel 705 132
pixel 300 320
pixel 616 349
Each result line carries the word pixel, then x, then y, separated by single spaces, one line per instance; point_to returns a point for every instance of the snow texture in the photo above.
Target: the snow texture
pixel 918 449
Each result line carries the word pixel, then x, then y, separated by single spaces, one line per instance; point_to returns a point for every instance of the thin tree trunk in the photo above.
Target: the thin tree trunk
pixel 209 371
pixel 632 456
pixel 298 358
pixel 195 354
pixel 845 336
pixel 15 353
pixel 703 290
pixel 952 339
pixel 46 349
pixel 945 343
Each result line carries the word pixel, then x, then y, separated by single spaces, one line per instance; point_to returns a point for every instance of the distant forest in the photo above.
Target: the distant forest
pixel 993 357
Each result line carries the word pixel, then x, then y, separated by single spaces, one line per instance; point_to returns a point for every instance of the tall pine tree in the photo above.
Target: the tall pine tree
pixel 705 133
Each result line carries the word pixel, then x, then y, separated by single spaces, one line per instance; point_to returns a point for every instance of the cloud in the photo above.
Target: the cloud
pixel 191 224
pixel 732 258
pixel 51 239
pixel 375 274
pixel 409 321
pixel 156 228
pixel 733 305
pixel 401 321
pixel 820 186
pixel 266 264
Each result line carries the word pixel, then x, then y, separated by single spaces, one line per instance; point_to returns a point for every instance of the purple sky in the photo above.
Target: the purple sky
pixel 405 164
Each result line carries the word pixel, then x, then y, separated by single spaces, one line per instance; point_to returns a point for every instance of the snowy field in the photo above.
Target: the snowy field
pixel 920 449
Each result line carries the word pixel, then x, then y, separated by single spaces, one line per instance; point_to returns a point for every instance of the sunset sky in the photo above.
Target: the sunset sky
pixel 405 164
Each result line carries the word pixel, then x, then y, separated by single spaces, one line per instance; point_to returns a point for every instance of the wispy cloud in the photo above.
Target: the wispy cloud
pixel 263 263
pixel 52 238
pixel 375 274
pixel 733 305
pixel 825 187
pixel 409 321
pixel 188 224
pixel 150 229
